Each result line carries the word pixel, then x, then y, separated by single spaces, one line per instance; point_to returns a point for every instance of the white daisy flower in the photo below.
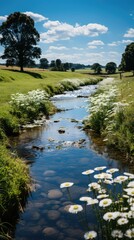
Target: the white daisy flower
pixel 66 184
pixel 87 172
pixel 102 196
pixel 131 184
pixel 75 208
pixel 102 190
pixel 110 216
pixel 105 202
pixel 129 233
pixel 122 221
pixel 130 175
pixel 100 168
pixel 112 170
pixel 90 235
pixel 117 234
pixel 92 201
pixel 103 176
pixel 94 185
pixel 120 179
pixel 107 181
pixel 85 199
pixel 130 191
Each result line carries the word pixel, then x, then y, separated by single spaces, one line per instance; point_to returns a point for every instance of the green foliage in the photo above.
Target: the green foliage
pixel 19 37
pixel 111 67
pixel 9 124
pixel 96 67
pixel 127 61
pixel 14 184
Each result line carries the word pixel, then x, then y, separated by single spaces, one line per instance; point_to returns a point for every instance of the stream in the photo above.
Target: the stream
pixel 57 152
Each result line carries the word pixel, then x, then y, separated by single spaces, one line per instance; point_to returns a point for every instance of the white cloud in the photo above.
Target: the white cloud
pixel 130 33
pixel 96 43
pixel 3 18
pixel 78 49
pixel 92 47
pixel 114 44
pixel 64 31
pixel 60 48
pixel 36 17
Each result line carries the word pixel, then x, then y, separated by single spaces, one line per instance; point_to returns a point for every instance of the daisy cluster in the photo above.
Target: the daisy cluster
pixel 104 109
pixel 31 102
pixel 111 197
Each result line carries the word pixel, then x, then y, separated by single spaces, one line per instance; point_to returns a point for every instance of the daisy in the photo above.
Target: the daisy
pixel 85 199
pixel 105 202
pixel 130 191
pixel 87 172
pixel 112 170
pixel 131 184
pixel 110 215
pixel 122 221
pixel 129 233
pixel 130 175
pixel 117 234
pixel 75 208
pixel 92 201
pixel 66 184
pixel 90 235
pixel 102 196
pixel 100 168
pixel 120 179
pixel 94 185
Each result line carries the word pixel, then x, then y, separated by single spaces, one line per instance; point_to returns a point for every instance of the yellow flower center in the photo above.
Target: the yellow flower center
pixel 75 207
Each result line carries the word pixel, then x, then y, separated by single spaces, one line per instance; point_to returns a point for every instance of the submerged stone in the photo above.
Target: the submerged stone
pixel 55 194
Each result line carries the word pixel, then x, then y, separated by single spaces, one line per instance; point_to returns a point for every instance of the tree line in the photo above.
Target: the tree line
pixel 19 38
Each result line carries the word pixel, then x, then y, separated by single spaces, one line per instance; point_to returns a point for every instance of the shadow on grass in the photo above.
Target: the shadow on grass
pixel 33 74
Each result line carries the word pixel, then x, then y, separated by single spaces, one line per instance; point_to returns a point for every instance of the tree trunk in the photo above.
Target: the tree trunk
pixel 21 68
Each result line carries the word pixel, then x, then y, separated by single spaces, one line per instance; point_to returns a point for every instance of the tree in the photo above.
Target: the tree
pixel 96 67
pixel 127 61
pixel 111 67
pixel 58 64
pixel 19 37
pixel 65 66
pixel 44 63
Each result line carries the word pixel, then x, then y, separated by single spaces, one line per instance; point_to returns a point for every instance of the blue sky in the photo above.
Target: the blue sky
pixel 78 31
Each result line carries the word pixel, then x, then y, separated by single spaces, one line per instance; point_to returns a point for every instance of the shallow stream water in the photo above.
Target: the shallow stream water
pixel 56 157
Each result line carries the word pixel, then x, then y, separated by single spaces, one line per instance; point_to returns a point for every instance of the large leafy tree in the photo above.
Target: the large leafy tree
pixel 96 67
pixel 19 37
pixel 127 61
pixel 111 67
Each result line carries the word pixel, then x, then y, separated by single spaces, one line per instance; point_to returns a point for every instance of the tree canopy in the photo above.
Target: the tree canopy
pixel 111 67
pixel 44 63
pixel 19 37
pixel 127 61
pixel 96 67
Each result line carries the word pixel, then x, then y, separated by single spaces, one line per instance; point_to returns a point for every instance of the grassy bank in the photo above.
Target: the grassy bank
pixel 112 114
pixel 14 187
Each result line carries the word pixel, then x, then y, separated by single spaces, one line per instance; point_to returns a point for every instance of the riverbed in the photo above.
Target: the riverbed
pixel 57 152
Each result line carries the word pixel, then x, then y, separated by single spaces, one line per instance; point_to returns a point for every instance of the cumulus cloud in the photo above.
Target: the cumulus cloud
pixel 63 31
pixel 114 44
pixel 3 18
pixel 59 48
pixel 96 43
pixel 36 17
pixel 129 33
